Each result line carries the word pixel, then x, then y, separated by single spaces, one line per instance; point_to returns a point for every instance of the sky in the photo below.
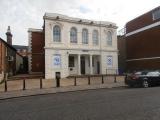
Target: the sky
pixel 24 14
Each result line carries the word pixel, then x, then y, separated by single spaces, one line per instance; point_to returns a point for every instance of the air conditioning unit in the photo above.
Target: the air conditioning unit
pixel 10 58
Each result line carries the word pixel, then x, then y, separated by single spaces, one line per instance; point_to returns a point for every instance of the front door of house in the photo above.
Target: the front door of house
pixel 82 65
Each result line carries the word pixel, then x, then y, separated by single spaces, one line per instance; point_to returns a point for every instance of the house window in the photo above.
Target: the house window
pixel 84 36
pixel 73 35
pixel 109 38
pixel 109 61
pixel 95 37
pixel 156 14
pixel 56 34
pixel 71 61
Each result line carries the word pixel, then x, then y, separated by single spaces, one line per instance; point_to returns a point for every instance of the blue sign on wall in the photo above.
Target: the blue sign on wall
pixel 57 60
pixel 109 61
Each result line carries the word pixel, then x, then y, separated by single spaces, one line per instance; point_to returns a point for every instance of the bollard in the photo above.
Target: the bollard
pixel 75 82
pixel 102 79
pixel 24 84
pixel 89 81
pixel 58 76
pixel 5 82
pixel 115 79
pixel 40 83
pixel 5 88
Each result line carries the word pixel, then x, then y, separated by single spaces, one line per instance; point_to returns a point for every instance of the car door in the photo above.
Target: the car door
pixel 156 76
pixel 153 77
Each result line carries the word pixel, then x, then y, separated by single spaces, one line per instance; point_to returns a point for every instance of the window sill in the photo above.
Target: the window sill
pixel 96 45
pixel 57 42
pixel 84 44
pixel 108 46
pixel 74 43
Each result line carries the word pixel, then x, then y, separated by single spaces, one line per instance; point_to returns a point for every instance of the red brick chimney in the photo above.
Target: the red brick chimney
pixel 9 36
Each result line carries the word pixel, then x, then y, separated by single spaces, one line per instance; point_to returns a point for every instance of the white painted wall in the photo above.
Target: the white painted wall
pixel 74 70
pixel 96 59
pixel 87 67
pixel 65 47
pixel 19 61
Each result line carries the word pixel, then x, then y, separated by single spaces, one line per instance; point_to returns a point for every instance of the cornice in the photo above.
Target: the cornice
pixel 59 17
pixel 81 49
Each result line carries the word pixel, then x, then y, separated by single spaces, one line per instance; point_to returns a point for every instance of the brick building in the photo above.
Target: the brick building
pixel 10 60
pixel 36 51
pixel 122 53
pixel 143 41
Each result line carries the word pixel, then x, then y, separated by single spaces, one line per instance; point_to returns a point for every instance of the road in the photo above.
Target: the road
pixel 102 104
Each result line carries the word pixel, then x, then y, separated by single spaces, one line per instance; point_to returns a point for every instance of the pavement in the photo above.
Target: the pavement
pixel 99 104
pixel 49 86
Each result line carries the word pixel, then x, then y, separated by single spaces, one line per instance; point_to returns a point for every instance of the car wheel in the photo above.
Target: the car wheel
pixel 145 84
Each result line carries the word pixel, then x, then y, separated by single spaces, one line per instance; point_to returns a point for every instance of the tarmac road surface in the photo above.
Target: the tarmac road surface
pixel 101 104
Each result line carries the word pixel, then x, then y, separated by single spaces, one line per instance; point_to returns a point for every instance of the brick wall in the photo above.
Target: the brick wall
pixel 122 53
pixel 3 66
pixel 152 64
pixel 144 44
pixel 37 52
pixel 141 21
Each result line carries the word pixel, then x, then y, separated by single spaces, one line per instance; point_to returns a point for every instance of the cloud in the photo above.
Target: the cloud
pixel 83 9
pixel 24 14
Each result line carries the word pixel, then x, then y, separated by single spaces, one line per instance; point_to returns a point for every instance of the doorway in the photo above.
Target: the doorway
pixel 98 67
pixel 82 65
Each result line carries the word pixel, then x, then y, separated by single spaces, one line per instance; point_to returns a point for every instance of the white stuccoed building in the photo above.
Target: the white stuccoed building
pixel 76 46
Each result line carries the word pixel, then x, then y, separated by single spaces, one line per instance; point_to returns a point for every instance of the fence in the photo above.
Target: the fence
pixel 87 78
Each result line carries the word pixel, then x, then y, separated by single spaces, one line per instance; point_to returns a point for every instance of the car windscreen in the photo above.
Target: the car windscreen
pixel 153 74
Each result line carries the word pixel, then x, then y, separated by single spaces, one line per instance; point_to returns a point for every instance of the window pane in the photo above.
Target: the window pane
pixel 156 14
pixel 109 38
pixel 56 34
pixel 95 37
pixel 73 35
pixel 85 36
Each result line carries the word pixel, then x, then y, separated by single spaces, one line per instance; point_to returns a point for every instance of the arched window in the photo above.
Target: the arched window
pixel 73 35
pixel 95 37
pixel 84 36
pixel 56 33
pixel 109 38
